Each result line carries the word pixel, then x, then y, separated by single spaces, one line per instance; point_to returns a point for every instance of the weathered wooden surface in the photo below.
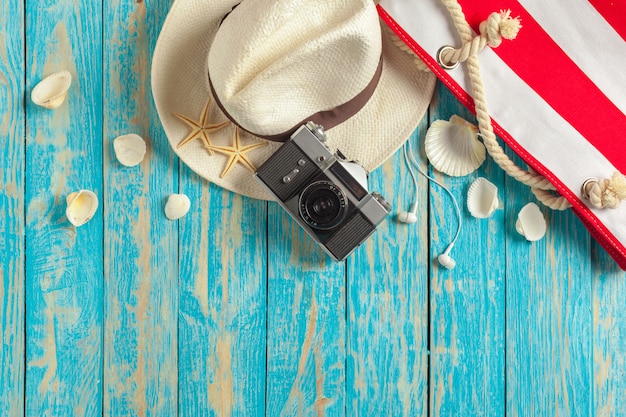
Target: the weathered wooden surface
pixel 12 272
pixel 64 265
pixel 140 291
pixel 467 305
pixel 233 310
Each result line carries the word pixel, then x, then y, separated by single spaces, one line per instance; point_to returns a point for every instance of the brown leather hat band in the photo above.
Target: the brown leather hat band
pixel 326 118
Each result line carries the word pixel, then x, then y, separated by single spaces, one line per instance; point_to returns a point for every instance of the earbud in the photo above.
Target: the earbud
pixel 445 259
pixel 410 216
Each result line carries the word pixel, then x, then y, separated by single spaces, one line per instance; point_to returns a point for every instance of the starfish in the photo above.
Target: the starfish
pixel 200 129
pixel 236 153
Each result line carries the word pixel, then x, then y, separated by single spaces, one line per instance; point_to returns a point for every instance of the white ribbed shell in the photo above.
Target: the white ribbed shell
pixel 452 147
pixel 51 91
pixel 530 222
pixel 129 149
pixel 81 206
pixel 177 206
pixel 482 198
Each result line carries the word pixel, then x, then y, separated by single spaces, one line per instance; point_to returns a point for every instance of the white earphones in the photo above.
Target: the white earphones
pixel 445 259
pixel 410 216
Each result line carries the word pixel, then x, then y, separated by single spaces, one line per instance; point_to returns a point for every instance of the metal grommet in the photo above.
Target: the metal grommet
pixel 440 60
pixel 584 188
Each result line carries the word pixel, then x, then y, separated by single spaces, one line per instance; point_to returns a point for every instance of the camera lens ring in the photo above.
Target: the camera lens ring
pixel 323 205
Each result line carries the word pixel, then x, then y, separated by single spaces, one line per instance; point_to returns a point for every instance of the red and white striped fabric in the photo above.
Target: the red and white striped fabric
pixel 556 93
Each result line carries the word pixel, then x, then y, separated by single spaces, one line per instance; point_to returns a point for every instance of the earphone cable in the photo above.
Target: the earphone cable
pixel 410 166
pixel 408 150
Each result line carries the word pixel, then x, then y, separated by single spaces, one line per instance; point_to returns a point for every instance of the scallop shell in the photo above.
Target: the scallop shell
pixel 81 206
pixel 51 91
pixel 177 206
pixel 531 223
pixel 452 147
pixel 482 198
pixel 129 149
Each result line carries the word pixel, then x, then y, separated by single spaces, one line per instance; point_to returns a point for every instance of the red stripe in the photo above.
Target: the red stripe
pixel 598 230
pixel 614 12
pixel 543 65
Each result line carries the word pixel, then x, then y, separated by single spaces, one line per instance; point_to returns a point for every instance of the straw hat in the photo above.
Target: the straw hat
pixel 232 80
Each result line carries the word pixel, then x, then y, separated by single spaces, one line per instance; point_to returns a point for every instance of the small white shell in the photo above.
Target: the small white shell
pixel 81 206
pixel 177 206
pixel 482 198
pixel 129 149
pixel 530 223
pixel 452 147
pixel 51 91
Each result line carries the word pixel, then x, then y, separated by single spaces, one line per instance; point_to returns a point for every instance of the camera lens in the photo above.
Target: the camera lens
pixel 323 205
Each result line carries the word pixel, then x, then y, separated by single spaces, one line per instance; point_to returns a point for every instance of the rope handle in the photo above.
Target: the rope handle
pixel 498 26
pixel 603 193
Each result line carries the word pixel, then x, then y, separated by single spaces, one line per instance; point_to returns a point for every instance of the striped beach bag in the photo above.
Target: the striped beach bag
pixel 548 77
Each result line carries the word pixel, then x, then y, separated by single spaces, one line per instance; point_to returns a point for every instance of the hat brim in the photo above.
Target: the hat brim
pixel 180 85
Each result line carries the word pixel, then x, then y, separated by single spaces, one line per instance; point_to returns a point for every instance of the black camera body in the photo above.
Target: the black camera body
pixel 323 192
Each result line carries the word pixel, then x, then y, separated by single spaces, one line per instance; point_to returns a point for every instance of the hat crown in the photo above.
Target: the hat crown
pixel 274 63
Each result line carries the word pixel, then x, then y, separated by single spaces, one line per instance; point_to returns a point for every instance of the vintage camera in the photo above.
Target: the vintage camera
pixel 326 194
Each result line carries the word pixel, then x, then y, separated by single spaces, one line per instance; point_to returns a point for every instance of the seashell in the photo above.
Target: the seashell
pixel 177 206
pixel 129 149
pixel 452 147
pixel 482 198
pixel 51 91
pixel 530 223
pixel 81 206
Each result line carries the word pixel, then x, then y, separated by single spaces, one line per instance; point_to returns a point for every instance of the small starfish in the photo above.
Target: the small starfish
pixel 236 153
pixel 200 129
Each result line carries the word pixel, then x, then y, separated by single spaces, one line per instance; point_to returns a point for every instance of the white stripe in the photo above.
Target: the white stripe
pixel 516 107
pixel 584 35
pixel 410 15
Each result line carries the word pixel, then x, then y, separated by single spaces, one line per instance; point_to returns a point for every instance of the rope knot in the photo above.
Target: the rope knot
pixel 605 193
pixel 500 25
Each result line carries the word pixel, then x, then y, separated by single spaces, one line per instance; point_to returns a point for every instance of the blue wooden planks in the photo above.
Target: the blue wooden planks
pixel 609 335
pixel 141 245
pixel 12 134
pixel 305 323
pixel 222 318
pixel 387 364
pixel 63 263
pixel 549 316
pixel 467 304
pixel 233 310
